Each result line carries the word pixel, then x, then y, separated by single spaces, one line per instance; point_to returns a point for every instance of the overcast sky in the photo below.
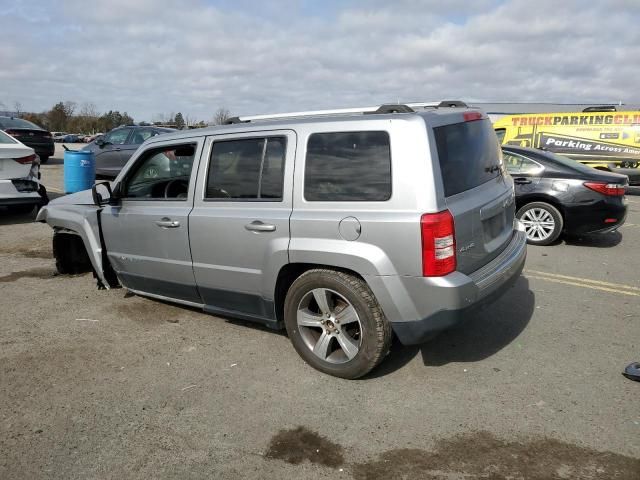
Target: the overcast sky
pixel 152 56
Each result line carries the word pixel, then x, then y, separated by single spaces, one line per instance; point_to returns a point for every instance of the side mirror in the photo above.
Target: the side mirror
pixel 102 194
pixel 100 142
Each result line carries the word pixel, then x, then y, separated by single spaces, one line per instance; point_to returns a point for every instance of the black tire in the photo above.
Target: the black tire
pixel 42 191
pixel 70 255
pixel 558 222
pixel 44 159
pixel 374 331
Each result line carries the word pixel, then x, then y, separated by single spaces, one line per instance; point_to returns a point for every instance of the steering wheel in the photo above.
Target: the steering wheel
pixel 175 182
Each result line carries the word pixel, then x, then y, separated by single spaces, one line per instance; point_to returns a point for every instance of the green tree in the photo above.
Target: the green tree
pixel 179 121
pixel 57 118
pixel 113 119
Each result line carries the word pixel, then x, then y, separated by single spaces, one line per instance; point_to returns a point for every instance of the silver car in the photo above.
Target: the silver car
pixel 343 227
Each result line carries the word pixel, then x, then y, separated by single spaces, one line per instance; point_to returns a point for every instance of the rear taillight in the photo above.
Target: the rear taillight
pixel 610 189
pixel 25 160
pixel 438 244
pixel 13 133
pixel 471 116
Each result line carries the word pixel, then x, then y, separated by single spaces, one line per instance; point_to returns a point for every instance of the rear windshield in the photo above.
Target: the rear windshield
pixel 4 138
pixel 6 123
pixel 469 155
pixel 566 162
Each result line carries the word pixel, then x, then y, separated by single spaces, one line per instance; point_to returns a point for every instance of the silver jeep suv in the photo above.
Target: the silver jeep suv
pixel 344 227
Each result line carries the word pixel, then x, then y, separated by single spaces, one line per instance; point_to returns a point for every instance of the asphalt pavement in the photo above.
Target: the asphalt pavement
pixel 105 384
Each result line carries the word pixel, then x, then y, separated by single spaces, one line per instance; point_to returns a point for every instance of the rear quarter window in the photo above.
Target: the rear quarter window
pixel 348 167
pixel 469 155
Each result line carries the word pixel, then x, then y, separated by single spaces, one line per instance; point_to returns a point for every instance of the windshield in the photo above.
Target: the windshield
pixel 7 122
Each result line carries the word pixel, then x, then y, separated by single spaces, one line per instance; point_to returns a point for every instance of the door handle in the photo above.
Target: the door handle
pixel 167 223
pixel 521 181
pixel 258 226
pixel 117 149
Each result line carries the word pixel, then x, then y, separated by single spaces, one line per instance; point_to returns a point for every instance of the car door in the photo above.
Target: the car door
pixel 239 226
pixel 109 159
pixel 147 233
pixel 525 172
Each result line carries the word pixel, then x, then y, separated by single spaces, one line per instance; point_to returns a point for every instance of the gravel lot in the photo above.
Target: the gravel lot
pixel 104 384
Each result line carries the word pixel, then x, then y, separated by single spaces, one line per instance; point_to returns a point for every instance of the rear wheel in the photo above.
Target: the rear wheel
pixel 542 222
pixel 336 324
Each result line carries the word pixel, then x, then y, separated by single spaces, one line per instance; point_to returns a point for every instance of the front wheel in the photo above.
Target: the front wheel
pixel 335 323
pixel 542 222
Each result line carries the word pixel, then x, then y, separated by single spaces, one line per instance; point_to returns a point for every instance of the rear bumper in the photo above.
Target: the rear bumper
pixel 418 306
pixel 585 219
pixel 44 150
pixel 10 195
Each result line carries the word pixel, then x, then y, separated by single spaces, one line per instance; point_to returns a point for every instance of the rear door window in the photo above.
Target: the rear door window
pixel 247 169
pixel 348 167
pixel 469 155
pixel 519 165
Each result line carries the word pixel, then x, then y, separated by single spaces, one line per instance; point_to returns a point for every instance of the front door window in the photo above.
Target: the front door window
pixel 161 173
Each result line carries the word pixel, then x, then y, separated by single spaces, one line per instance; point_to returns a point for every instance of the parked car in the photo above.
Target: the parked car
pixel 58 137
pixel 310 224
pixel 91 138
pixel 20 189
pixel 71 138
pixel 113 150
pixel 600 136
pixel 555 194
pixel 31 135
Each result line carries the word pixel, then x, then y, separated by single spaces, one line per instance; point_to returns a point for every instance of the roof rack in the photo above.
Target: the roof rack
pixel 381 109
pixel 601 108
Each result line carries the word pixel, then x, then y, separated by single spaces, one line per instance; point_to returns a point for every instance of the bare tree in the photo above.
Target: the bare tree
pixel 89 109
pixel 17 107
pixel 221 116
pixel 69 108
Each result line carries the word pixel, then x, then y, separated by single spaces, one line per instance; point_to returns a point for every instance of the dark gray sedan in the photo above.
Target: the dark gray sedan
pixel 113 149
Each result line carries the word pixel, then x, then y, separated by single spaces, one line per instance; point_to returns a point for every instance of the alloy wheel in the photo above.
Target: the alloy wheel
pixel 538 224
pixel 329 325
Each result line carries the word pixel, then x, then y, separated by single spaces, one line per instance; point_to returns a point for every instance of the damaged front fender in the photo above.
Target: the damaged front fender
pixel 74 214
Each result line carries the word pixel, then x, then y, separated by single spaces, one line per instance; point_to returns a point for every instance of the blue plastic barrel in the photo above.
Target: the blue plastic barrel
pixel 79 170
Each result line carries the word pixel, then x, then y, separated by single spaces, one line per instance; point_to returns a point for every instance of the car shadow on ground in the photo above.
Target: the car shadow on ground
pixel 479 337
pixel 604 240
pixel 54 161
pixel 9 218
